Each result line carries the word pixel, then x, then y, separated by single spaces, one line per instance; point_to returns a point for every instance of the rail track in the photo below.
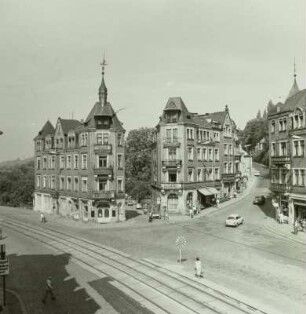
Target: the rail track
pixel 159 289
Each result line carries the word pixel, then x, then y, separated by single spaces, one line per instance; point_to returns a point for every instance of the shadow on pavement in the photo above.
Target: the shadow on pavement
pixel 28 276
pixel 267 207
pixel 129 214
pixel 119 300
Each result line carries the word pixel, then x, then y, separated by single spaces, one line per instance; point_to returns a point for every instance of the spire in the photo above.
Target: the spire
pixel 294 89
pixel 226 109
pixel 102 88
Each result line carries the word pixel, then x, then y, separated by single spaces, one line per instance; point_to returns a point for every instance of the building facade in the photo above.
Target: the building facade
pixel 195 160
pixel 287 130
pixel 79 165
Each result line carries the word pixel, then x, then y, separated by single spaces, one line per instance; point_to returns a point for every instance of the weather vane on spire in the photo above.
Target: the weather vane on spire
pixel 104 64
pixel 294 69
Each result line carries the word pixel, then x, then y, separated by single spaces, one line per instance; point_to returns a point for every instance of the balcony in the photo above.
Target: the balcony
pixel 102 194
pixel 103 149
pixel 298 189
pixel 171 186
pixel 171 142
pixel 280 187
pixel 238 174
pixel 228 177
pixel 103 171
pixel 280 160
pixel 173 163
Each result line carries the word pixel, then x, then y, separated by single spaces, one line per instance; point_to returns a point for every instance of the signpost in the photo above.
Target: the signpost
pixel 180 243
pixel 4 269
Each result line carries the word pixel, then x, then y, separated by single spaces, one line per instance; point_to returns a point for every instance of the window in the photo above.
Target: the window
pixel 190 175
pixel 113 213
pixel 210 154
pixel 272 126
pixel 199 175
pixel 76 183
pixel 301 148
pixel 45 162
pixel 76 161
pixel 174 134
pixel 172 177
pixel 70 141
pixel 295 148
pixel 105 138
pixel 199 155
pixel 84 161
pixel 171 117
pixel 102 162
pixel 190 153
pixel 283 149
pixel 102 183
pixel 168 135
pixel 83 139
pixel 225 169
pixel 38 163
pixel 69 183
pixel 280 125
pixel 217 174
pixel 53 182
pixel 190 135
pixel 273 149
pixel 172 153
pixel 68 161
pixel 38 146
pixel 62 183
pixel 172 202
pixel 230 149
pixel 209 174
pixel 230 167
pixel 53 162
pixel 62 162
pixel 84 184
pixel 216 154
pixel 204 154
pixel 302 180
pixel 120 161
pixel 45 182
pixel 38 181
pixel 120 184
pixel 99 138
pixel 120 139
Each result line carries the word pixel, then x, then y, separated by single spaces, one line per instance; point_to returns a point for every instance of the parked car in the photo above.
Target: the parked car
pixel 138 206
pixel 130 202
pixel 257 173
pixel 259 200
pixel 156 215
pixel 234 220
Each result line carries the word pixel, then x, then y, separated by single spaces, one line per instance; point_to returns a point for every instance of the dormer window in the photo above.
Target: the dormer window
pixel 38 146
pixel 103 122
pixel 171 117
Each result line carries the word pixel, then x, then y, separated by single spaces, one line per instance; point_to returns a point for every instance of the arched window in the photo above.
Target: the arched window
pixel 106 213
pixel 172 202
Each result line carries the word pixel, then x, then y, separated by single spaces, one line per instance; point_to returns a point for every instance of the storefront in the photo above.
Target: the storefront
pixel 207 197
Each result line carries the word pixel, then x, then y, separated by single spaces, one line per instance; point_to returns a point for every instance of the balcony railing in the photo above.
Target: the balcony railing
pixel 102 194
pixel 228 176
pixel 172 163
pixel 103 148
pixel 280 187
pixel 103 171
pixel 171 186
pixel 280 159
pixel 171 142
pixel 298 189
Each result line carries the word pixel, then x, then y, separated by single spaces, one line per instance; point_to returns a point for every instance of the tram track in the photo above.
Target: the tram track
pixel 141 276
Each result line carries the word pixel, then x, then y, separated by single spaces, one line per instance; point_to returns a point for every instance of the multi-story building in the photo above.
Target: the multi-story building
pixel 287 130
pixel 194 160
pixel 79 168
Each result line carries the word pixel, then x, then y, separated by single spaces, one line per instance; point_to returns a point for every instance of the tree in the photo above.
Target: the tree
pixel 265 115
pixel 254 131
pixel 258 115
pixel 138 162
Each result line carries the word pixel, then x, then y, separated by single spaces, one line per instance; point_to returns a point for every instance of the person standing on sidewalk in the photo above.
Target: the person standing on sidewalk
pixel 198 268
pixel 49 290
pixel 295 226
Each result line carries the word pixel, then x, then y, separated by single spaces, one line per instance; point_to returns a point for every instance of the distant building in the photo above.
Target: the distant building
pixel 261 146
pixel 287 130
pixel 79 165
pixel 195 160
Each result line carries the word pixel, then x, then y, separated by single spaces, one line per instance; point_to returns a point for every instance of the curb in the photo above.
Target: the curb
pixel 271 230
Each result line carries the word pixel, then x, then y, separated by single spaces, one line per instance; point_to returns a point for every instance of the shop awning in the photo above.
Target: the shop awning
pixel 205 192
pixel 213 190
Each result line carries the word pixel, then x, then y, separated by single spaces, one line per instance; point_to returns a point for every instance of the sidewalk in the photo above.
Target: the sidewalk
pixel 210 210
pixel 284 231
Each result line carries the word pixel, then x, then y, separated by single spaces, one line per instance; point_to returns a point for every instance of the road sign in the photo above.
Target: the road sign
pixel 180 242
pixel 4 267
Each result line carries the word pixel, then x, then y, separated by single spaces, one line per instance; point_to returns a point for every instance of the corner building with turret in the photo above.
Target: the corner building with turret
pixel 79 165
pixel 196 159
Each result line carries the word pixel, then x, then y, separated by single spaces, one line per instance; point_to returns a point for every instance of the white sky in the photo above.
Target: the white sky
pixel 209 52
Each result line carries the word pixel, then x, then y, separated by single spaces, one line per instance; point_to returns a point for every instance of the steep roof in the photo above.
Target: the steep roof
pixel 47 129
pixel 291 103
pixel 294 89
pixel 218 116
pixel 176 103
pixel 69 124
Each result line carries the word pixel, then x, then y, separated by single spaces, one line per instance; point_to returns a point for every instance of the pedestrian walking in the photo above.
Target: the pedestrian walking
pixel 295 226
pixel 191 212
pixel 49 290
pixel 42 218
pixel 281 218
pixel 217 202
pixel 198 268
